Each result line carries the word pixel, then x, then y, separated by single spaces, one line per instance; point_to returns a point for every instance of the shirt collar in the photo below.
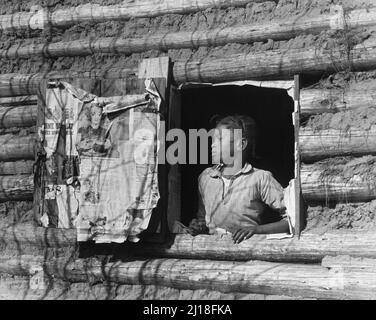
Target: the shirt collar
pixel 216 171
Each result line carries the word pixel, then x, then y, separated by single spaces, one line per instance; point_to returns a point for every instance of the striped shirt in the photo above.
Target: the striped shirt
pixel 243 202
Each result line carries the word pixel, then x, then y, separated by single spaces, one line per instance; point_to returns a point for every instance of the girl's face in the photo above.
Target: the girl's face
pixel 225 142
pixel 223 146
pixel 95 114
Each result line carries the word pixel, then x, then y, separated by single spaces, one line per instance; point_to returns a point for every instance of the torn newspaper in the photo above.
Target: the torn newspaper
pixel 107 183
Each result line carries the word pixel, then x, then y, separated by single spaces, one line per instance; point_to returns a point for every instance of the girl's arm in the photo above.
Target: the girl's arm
pixel 247 232
pixel 274 227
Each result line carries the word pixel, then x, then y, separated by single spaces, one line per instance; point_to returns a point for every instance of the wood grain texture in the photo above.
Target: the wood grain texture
pixel 311 247
pixel 16 167
pixel 19 288
pixel 16 187
pixel 18 101
pixel 308 281
pixel 319 144
pixel 276 64
pixel 16 84
pixel 266 65
pixel 14 147
pixel 66 17
pixel 18 116
pixel 316 101
pixel 247 33
pixel 321 186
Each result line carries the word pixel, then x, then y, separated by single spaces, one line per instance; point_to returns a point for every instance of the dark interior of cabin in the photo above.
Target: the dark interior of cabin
pixel 270 108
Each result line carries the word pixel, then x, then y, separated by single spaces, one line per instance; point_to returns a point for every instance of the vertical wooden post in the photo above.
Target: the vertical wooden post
pixel 296 122
pixel 174 174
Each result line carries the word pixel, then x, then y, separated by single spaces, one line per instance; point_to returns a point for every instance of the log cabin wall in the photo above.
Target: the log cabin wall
pixel 330 43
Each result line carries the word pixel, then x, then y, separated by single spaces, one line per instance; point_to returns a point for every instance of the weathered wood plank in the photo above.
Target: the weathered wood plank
pixel 16 187
pixel 310 248
pixel 319 144
pixel 315 101
pixel 14 147
pixel 16 167
pixel 27 288
pixel 302 280
pixel 18 101
pixel 23 20
pixel 348 262
pixel 28 234
pixel 312 101
pixel 321 186
pixel 15 84
pixel 18 116
pixel 66 17
pixel 247 33
pixel 276 64
pixel 266 65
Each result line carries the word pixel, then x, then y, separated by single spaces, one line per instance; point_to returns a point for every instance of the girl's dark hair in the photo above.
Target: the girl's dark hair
pixel 248 127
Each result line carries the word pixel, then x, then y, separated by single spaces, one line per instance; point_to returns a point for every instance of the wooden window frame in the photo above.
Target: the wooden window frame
pixel 293 89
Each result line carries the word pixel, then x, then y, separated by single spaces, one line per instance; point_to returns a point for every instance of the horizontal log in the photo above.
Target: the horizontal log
pixel 16 167
pixel 312 101
pixel 64 18
pixel 13 147
pixel 12 288
pixel 15 84
pixel 35 19
pixel 18 130
pixel 260 277
pixel 18 101
pixel 318 144
pixel 320 185
pixel 27 234
pixel 277 64
pixel 266 65
pixel 26 116
pixel 310 247
pixel 16 187
pixel 275 30
pixel 18 116
pixel 347 262
pixel 315 101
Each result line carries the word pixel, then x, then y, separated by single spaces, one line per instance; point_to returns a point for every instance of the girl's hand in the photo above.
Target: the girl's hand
pixel 195 228
pixel 243 234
